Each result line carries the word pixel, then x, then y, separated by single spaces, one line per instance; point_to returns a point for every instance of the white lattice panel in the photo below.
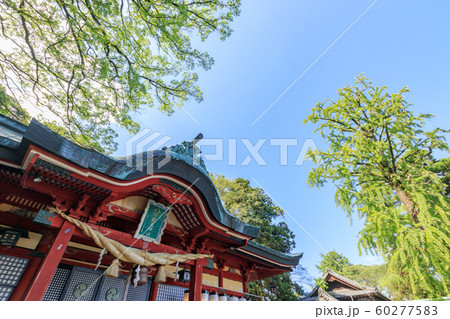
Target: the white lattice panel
pixel 5 292
pixel 82 286
pixel 11 269
pixel 170 293
pixel 57 284
pixel 112 289
pixel 140 293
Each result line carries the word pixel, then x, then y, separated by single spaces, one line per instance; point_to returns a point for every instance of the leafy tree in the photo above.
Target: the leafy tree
pixel 88 63
pixel 10 108
pixel 442 169
pixel 369 275
pixel 377 158
pixel 252 205
pixel 280 287
pixel 333 261
pixel 300 274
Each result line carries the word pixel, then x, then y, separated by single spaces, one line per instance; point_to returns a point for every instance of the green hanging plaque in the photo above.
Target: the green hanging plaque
pixel 153 222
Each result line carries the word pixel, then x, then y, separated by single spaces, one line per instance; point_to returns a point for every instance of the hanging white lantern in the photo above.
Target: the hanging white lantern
pixel 204 296
pixel 186 295
pixel 241 298
pixel 222 297
pixel 232 298
pixel 213 296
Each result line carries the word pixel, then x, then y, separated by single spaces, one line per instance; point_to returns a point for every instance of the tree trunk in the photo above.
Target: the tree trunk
pixel 409 204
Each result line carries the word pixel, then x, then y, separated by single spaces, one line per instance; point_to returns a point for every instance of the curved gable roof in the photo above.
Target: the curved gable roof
pixel 124 169
pixel 14 149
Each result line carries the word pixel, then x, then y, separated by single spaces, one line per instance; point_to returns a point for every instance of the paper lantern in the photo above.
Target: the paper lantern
pixel 213 296
pixel 223 297
pixel 204 296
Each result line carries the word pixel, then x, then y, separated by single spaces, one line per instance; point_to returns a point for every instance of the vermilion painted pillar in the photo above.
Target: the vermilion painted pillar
pixel 221 278
pixel 154 291
pixel 195 285
pixel 50 263
pixel 32 267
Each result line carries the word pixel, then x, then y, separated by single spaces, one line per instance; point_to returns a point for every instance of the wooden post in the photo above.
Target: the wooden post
pixel 221 278
pixel 50 263
pixel 195 285
pixel 154 291
pixel 246 277
pixel 32 267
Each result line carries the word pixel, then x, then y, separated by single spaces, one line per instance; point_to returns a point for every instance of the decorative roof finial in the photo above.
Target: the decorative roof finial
pixel 197 138
pixel 188 152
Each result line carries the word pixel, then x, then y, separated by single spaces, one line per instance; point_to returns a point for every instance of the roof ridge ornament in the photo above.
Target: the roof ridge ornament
pixel 189 152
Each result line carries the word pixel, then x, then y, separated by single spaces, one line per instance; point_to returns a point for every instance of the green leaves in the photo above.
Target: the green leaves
pixel 381 161
pixel 253 206
pixel 333 261
pixel 86 64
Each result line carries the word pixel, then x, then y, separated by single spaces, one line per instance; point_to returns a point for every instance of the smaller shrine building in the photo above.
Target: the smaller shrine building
pixel 341 288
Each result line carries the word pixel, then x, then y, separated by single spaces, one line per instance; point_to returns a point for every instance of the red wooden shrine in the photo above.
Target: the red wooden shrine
pixel 53 260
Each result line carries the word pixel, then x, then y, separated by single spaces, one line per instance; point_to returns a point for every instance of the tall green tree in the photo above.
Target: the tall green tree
pixel 88 63
pixel 378 157
pixel 333 261
pixel 253 206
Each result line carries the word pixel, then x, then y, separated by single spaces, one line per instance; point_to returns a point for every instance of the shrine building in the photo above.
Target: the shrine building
pixel 341 288
pixel 76 224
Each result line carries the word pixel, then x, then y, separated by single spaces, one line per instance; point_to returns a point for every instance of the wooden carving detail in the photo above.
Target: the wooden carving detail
pixel 177 230
pixel 119 210
pixel 172 196
pixel 106 210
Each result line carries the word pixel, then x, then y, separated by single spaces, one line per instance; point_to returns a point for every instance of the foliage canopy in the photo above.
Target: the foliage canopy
pixel 379 157
pixel 252 205
pixel 87 63
pixel 334 261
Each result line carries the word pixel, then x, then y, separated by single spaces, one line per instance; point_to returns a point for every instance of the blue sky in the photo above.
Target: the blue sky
pixel 396 43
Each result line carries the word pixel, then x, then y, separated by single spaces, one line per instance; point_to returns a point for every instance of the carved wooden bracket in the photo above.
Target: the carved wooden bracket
pixel 220 263
pixel 62 203
pixel 81 204
pixel 245 271
pixel 202 247
pixel 103 212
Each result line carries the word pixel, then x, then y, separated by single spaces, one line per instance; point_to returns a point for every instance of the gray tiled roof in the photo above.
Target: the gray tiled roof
pixel 360 289
pixel 349 281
